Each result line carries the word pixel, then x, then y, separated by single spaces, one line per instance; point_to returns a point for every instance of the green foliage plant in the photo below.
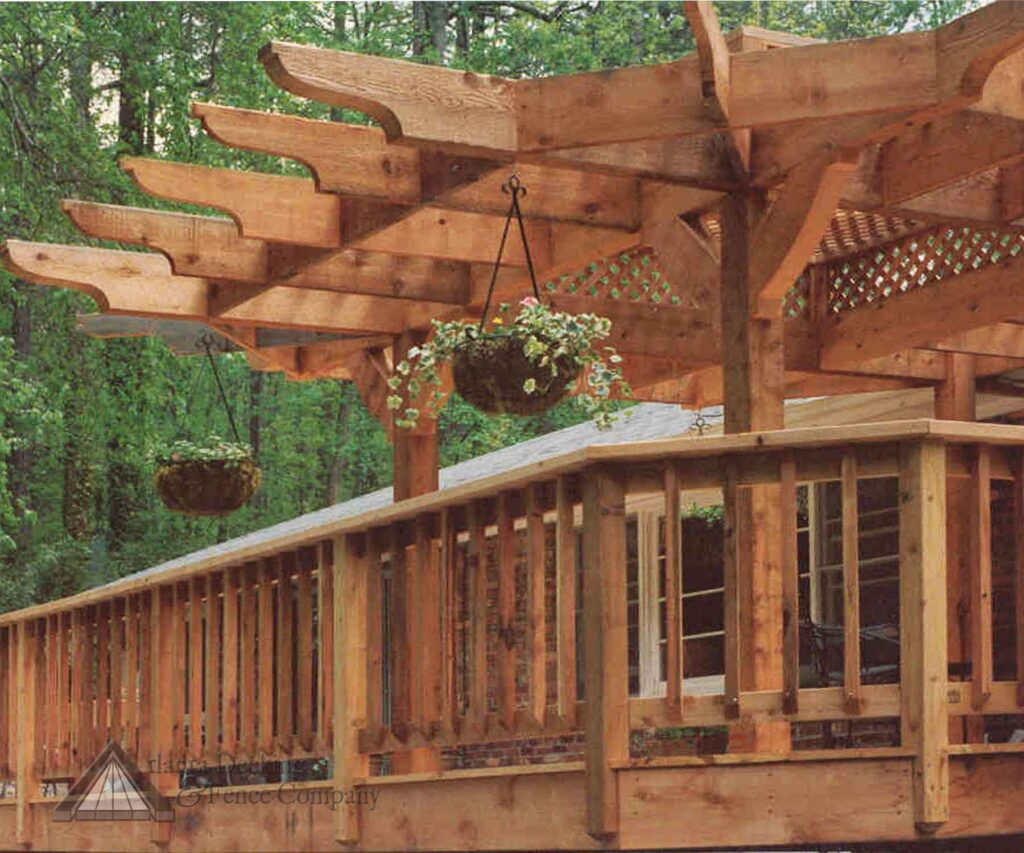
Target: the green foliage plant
pixel 555 341
pixel 211 449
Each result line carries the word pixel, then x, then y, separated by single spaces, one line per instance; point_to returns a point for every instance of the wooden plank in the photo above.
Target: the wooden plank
pixel 350 673
pixel 401 654
pixel 266 648
pixel 565 600
pixel 211 670
pixel 790 586
pixel 851 583
pixel 304 656
pixel 286 652
pixel 981 577
pixel 325 647
pixel 507 652
pixel 162 673
pixel 180 673
pixel 1018 565
pixel 118 614
pixel 374 635
pixel 51 705
pixel 604 631
pixel 923 653
pixel 449 696
pixel 130 715
pixel 229 727
pixel 196 670
pixel 248 592
pixel 97 640
pixel 424 629
pixel 78 671
pixel 144 720
pixel 62 709
pixel 731 596
pixel 673 591
pixel 477 675
pixel 536 635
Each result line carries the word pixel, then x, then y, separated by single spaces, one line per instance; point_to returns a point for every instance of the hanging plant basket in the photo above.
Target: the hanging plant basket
pixel 215 478
pixel 492 372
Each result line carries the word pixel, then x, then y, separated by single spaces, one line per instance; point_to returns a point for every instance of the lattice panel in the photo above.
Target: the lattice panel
pixel 917 261
pixel 797 297
pixel 632 276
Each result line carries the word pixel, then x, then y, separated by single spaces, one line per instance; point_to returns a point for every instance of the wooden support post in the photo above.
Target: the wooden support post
pixel 565 594
pixel 374 635
pixel 25 721
pixel 414 450
pixel 673 591
pixel 790 587
pixel 981 577
pixel 304 656
pixel 325 656
pixel 163 672
pixel 956 400
pixel 449 696
pixel 923 658
pixel 851 585
pixel 604 631
pixel 536 639
pixel 754 392
pixel 350 612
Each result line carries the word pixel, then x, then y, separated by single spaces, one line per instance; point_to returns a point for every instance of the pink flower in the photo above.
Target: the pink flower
pixel 530 301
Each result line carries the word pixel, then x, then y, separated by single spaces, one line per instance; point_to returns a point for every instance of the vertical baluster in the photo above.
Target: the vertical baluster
pixel 449 620
pixel 477 617
pixel 325 618
pixel 285 651
pixel 130 714
pixel 266 657
pixel 195 669
pixel 41 710
pixel 981 578
pixel 163 673
pixel 50 705
pixel 505 688
pixel 144 720
pixel 374 635
pixel 91 682
pixel 117 617
pixel 565 593
pixel 851 585
pixel 427 628
pixel 401 653
pixel 605 634
pixel 304 656
pixel 6 717
pixel 78 671
pixel 211 672
pixel 731 592
pixel 102 684
pixel 536 561
pixel 181 674
pixel 790 587
pixel 248 591
pixel 25 721
pixel 63 706
pixel 1018 567
pixel 673 592
pixel 229 727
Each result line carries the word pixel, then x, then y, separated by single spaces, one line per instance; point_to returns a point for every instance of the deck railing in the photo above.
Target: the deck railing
pixel 451 619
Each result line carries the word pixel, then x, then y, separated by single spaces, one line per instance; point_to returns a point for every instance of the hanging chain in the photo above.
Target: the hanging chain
pixel 513 187
pixel 206 341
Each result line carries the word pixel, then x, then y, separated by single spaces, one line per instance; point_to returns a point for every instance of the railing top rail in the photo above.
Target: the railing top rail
pixel 686 447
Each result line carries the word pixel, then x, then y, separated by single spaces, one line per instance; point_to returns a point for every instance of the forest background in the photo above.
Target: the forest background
pixel 82 84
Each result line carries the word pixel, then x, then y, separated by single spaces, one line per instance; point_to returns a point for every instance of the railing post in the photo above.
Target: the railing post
pixel 923 624
pixel 350 669
pixel 604 632
pixel 26 773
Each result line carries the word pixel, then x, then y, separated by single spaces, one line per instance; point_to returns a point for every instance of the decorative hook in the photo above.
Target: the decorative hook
pixel 513 186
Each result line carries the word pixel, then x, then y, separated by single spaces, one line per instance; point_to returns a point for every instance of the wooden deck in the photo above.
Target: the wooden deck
pixel 136 662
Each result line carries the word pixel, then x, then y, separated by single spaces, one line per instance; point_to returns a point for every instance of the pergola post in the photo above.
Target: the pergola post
pixel 25 721
pixel 956 400
pixel 754 391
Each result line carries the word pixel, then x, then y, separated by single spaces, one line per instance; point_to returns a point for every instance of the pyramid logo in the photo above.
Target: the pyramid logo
pixel 113 788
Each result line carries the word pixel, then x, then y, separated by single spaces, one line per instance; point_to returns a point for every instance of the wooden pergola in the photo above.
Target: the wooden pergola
pixel 771 217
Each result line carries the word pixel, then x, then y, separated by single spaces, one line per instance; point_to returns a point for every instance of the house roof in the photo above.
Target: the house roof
pixel 646 421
